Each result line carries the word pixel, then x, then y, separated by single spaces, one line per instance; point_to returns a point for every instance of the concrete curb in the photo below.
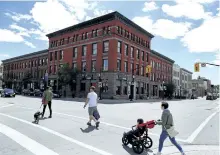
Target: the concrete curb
pixel 172 150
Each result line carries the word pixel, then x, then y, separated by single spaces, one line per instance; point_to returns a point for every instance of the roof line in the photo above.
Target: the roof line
pixel 97 20
pixel 163 56
pixel 26 55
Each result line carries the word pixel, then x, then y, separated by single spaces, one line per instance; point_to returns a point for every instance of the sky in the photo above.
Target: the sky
pixel 186 31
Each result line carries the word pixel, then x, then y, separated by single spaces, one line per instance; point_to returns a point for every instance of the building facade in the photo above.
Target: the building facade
pixel 26 71
pixel 105 49
pixel 185 82
pixel 162 67
pixel 176 79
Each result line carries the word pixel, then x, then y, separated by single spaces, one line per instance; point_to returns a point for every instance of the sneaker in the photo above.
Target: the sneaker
pixel 89 124
pixel 50 116
pixel 97 124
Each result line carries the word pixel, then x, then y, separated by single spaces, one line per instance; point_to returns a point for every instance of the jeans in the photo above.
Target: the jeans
pixel 163 137
pixel 49 105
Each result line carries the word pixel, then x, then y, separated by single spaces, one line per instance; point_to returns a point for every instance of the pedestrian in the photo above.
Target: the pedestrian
pixel 47 100
pixel 167 129
pixel 92 99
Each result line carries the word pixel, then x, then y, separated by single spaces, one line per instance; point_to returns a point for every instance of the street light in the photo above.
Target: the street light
pixel 100 84
pixel 163 89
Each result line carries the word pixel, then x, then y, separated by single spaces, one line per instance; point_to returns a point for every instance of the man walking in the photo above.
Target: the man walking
pixel 47 99
pixel 92 99
pixel 167 123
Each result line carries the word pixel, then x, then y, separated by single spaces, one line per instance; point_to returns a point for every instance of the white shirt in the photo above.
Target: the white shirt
pixel 92 96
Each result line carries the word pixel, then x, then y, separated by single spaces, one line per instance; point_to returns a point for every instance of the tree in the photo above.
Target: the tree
pixel 170 89
pixel 66 75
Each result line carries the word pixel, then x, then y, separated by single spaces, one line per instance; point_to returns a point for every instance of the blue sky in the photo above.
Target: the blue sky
pixel 186 31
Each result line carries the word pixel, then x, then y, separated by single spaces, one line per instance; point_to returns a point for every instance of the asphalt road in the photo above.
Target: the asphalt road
pixel 67 133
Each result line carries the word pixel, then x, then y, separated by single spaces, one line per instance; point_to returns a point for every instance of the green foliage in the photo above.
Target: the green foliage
pixel 66 75
pixel 170 89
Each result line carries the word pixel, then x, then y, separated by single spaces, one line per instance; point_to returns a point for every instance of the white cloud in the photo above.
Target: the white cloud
pixel 150 6
pixel 29 44
pixel 163 27
pixel 98 12
pixel 204 38
pixel 17 17
pixel 169 29
pixel 197 1
pixel 191 10
pixel 10 36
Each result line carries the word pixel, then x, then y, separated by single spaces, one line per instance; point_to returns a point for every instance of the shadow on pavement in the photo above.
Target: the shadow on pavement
pixel 131 152
pixel 88 129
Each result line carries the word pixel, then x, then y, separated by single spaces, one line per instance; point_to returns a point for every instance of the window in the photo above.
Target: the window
pixel 93 65
pixel 142 71
pixel 119 47
pixel 77 37
pixel 132 52
pixel 68 40
pixel 84 49
pixel 137 54
pixel 43 62
pixel 74 65
pixel 96 32
pixel 94 49
pixel 104 31
pixel 137 69
pixel 106 46
pixel 83 36
pixel 109 30
pixel 83 66
pixel 126 49
pixel 55 69
pixel 55 55
pixel 87 35
pixel 132 67
pixel 126 66
pixel 51 56
pixel 75 52
pixel 93 33
pixel 142 55
pixel 50 70
pixel 118 29
pixel 61 55
pixel 119 65
pixel 105 64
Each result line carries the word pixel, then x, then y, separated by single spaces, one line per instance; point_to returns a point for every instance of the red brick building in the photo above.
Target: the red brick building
pixel 162 68
pixel 26 71
pixel 112 44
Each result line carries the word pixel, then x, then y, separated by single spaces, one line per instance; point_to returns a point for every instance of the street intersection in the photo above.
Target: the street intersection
pixel 67 133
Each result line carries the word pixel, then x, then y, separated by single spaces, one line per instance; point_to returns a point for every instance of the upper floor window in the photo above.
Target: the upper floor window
pixel 87 35
pixel 106 46
pixel 126 66
pixel 93 65
pixel 83 66
pixel 75 52
pixel 84 50
pixel 93 33
pixel 94 49
pixel 61 55
pixel 119 65
pixel 51 56
pixel 137 54
pixel 132 52
pixel 55 55
pixel 126 49
pixel 109 30
pixel 105 64
pixel 119 46
pixel 142 55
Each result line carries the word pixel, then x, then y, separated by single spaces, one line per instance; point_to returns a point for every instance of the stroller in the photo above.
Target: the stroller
pixel 140 143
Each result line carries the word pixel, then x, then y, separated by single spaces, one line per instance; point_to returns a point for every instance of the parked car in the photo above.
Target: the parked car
pixel 38 92
pixel 56 94
pixel 210 96
pixel 25 91
pixel 8 93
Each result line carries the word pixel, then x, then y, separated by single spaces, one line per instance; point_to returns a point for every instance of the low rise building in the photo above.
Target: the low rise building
pixel 176 79
pixel 185 82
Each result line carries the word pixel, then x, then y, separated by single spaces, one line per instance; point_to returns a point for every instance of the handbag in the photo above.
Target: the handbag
pixel 171 131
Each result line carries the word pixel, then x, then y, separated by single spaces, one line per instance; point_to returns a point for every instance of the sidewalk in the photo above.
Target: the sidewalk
pixel 117 101
pixel 191 150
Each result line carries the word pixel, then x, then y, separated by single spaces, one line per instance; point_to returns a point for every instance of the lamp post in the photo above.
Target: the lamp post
pixel 163 90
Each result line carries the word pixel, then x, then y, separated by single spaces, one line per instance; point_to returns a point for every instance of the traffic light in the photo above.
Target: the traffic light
pixel 148 69
pixel 196 67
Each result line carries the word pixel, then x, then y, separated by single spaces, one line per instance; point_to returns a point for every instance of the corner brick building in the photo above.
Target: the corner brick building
pixel 26 71
pixel 107 47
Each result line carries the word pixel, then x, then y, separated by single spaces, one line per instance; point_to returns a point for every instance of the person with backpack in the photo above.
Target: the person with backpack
pixel 47 100
pixel 167 128
pixel 92 99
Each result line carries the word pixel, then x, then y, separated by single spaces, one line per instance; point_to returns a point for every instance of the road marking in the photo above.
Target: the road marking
pixel 193 136
pixel 5 106
pixel 26 142
pixel 60 135
pixel 105 123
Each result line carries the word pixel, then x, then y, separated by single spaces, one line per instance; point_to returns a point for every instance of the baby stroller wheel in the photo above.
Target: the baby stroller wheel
pixel 125 140
pixel 138 147
pixel 147 142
